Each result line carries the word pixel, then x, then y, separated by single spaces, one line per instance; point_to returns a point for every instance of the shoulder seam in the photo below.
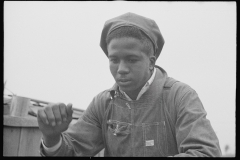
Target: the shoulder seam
pixel 170 83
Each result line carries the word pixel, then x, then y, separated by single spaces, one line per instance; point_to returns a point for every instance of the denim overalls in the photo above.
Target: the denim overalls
pixel 167 120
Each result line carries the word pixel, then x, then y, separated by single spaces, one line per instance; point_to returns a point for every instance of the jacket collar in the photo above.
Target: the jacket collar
pixel 160 75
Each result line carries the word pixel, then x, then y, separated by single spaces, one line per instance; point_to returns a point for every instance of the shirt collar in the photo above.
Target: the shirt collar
pixel 149 82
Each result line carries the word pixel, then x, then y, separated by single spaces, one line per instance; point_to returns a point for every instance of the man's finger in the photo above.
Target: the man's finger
pixel 63 111
pixel 57 114
pixel 50 116
pixel 42 117
pixel 69 111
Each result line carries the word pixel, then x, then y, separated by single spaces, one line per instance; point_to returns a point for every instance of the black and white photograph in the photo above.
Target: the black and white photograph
pixel 119 78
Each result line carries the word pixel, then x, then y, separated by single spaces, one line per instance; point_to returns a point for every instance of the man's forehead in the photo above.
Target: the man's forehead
pixel 127 46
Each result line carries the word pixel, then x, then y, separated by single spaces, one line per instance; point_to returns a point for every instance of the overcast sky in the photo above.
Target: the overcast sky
pixel 52 52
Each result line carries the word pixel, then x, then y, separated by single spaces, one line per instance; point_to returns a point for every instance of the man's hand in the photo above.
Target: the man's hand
pixel 53 120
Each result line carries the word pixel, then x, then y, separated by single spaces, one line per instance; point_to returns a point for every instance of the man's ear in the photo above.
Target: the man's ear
pixel 152 62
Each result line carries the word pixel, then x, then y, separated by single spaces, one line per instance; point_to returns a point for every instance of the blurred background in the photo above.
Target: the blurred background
pixel 52 52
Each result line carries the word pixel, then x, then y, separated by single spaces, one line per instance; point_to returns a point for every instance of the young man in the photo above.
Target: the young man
pixel 146 113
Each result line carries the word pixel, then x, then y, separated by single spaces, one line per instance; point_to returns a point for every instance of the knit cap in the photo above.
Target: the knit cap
pixel 148 26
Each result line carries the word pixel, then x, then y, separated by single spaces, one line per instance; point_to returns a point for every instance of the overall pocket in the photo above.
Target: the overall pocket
pixel 118 128
pixel 154 136
pixel 118 138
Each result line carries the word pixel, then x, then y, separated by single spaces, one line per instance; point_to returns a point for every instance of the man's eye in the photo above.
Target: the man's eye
pixel 132 60
pixel 114 60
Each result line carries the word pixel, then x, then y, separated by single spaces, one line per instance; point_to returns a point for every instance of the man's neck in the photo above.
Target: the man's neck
pixel 133 95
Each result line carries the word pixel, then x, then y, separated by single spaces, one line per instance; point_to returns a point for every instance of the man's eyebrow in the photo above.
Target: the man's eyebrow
pixel 111 56
pixel 128 56
pixel 133 56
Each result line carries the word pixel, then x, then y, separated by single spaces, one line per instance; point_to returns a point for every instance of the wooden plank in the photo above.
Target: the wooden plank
pixel 6 109
pixel 76 112
pixel 28 121
pixel 29 142
pixel 45 102
pixel 40 101
pixel 19 106
pixel 11 137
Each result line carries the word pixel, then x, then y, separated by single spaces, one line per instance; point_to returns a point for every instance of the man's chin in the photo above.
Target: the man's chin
pixel 126 89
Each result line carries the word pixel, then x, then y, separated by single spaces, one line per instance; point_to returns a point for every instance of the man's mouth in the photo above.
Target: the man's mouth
pixel 123 81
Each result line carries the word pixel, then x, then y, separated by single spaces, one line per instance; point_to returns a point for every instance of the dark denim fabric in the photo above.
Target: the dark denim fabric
pixel 168 120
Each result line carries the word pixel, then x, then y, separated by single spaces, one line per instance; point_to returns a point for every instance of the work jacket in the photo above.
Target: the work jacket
pixel 168 120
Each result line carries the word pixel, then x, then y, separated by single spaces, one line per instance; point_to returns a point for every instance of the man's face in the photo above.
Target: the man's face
pixel 128 64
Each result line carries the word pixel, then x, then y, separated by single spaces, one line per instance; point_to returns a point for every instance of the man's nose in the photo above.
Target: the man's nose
pixel 123 68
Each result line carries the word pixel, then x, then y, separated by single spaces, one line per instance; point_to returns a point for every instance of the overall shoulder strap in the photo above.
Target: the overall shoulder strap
pixel 169 110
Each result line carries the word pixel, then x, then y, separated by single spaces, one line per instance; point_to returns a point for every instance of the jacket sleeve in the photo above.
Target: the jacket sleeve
pixel 83 138
pixel 194 133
